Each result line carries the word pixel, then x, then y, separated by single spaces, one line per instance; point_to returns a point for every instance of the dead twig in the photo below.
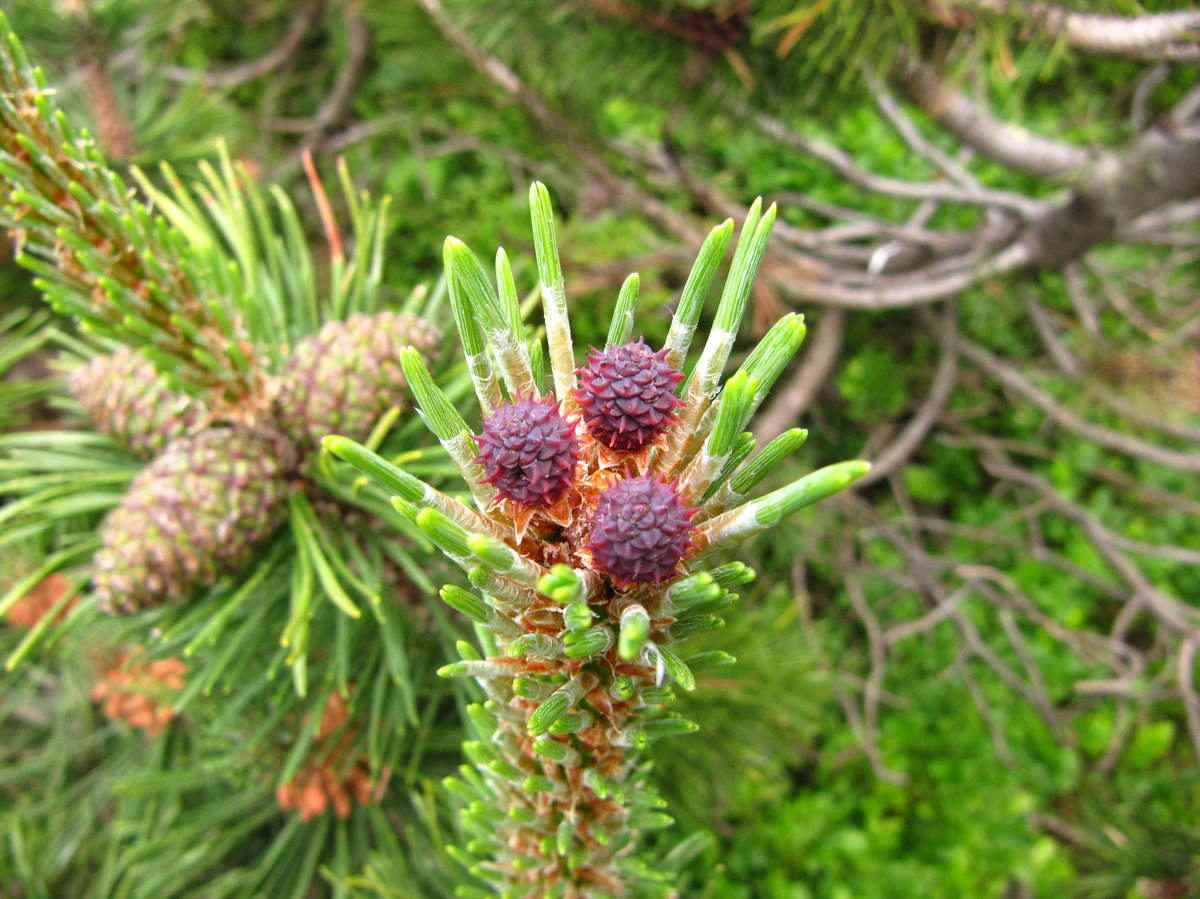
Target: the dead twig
pixel 228 79
pixel 913 435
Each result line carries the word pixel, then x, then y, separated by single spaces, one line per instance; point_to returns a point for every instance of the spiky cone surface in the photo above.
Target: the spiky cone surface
pixel 583 607
pixel 125 398
pixel 627 394
pixel 528 451
pixel 140 692
pixel 194 513
pixel 343 378
pixel 332 779
pixel 639 532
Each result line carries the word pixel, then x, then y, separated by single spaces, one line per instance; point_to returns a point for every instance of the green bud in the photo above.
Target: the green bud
pixel 766 461
pixel 571 723
pixel 440 413
pixel 531 688
pixel 694 589
pixel 482 720
pixel 537 783
pixel 478 753
pixel 481 848
pixel 658 696
pixel 548 712
pixel 561 583
pixel 541 646
pixel 374 466
pixel 454 669
pixel 635 631
pixel 733 574
pixel 551 749
pixel 577 616
pixel 669 727
pixel 458 789
pixel 774 507
pixel 699 624
pixel 491 552
pixel 677 669
pixel 585 644
pixel 565 837
pixel 485 812
pixel 502 768
pixel 448 535
pixel 623 687
pixel 522 813
pixel 713 658
pixel 466 602
pixel 466 861
pixel 651 821
pixel 601 785
pixel 621 325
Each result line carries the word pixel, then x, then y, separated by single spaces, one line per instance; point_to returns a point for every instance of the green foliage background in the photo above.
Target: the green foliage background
pixel 777 774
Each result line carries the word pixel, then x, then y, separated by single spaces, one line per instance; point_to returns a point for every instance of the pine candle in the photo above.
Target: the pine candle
pixel 597 505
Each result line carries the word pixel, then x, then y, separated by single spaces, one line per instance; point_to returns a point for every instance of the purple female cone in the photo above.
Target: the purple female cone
pixel 528 452
pixel 627 395
pixel 640 532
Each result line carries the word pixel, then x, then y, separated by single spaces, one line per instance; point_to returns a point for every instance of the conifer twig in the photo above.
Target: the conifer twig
pixel 587 599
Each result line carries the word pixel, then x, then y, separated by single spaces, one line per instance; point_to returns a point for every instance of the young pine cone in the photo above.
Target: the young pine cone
pixel 129 401
pixel 627 394
pixel 341 379
pixel 194 513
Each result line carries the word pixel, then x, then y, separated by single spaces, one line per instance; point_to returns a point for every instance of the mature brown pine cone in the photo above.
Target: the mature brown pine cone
pixel 129 401
pixel 341 379
pixel 194 513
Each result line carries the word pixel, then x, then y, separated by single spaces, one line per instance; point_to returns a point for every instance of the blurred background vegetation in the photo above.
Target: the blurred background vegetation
pixel 973 677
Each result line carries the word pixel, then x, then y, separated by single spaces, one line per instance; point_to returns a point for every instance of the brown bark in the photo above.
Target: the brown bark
pixel 1160 167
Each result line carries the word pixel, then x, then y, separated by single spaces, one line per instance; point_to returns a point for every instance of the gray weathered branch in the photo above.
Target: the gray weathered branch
pixel 977 127
pixel 1139 35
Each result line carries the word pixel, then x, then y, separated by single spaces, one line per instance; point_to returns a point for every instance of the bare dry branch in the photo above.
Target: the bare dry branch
pixel 1077 291
pixel 977 127
pixel 335 106
pixel 876 644
pixel 845 165
pixel 1063 357
pixel 898 633
pixel 1169 610
pixel 907 442
pixel 1170 34
pixel 1124 443
pixel 227 79
pixel 507 80
pixel 999 741
pixel 1187 687
pixel 907 129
